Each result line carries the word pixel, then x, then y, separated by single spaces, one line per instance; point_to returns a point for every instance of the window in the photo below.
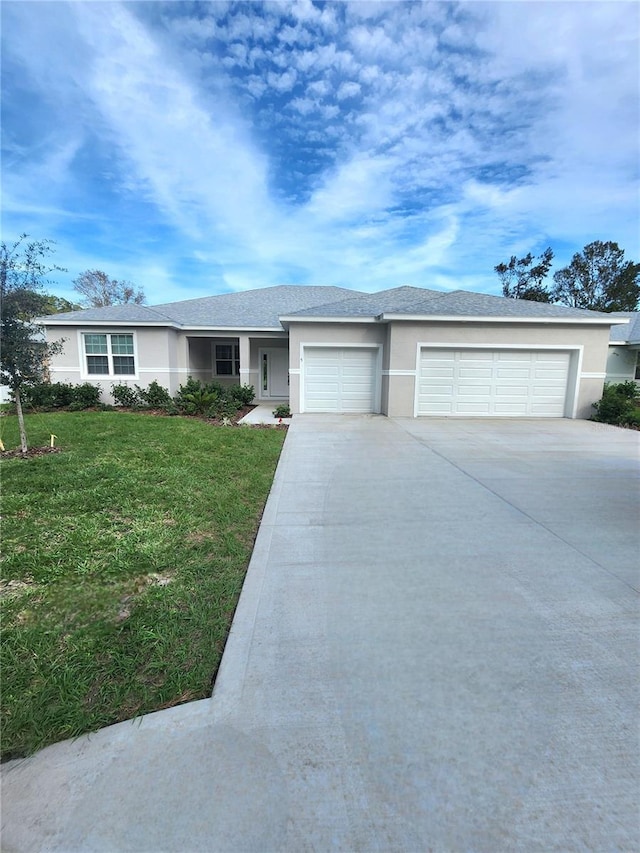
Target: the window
pixel 109 355
pixel 637 373
pixel 227 359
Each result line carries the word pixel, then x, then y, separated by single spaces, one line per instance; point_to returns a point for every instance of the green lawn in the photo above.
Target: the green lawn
pixel 123 560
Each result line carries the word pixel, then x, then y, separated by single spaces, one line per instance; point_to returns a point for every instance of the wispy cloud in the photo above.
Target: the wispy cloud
pixel 229 145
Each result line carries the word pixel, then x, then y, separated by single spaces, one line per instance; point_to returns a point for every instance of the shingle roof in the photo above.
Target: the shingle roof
pixel 626 333
pixel 128 313
pixel 370 304
pixel 416 301
pixel 263 308
pixel 260 308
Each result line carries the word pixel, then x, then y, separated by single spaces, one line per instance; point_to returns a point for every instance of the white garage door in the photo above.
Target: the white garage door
pixel 494 383
pixel 339 379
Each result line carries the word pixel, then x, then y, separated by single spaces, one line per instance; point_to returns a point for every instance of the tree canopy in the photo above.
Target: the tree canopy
pixel 522 279
pixel 24 267
pixel 600 279
pixel 98 290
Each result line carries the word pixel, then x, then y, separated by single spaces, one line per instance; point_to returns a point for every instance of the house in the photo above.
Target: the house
pixel 404 352
pixel 623 360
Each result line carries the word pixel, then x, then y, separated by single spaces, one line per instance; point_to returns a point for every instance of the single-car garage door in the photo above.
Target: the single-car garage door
pixel 494 383
pixel 340 379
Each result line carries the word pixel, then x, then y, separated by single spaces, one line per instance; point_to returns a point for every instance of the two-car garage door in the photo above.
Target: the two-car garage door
pixel 494 383
pixel 340 379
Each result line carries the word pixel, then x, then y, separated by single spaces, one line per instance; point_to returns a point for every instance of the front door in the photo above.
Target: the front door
pixel 274 374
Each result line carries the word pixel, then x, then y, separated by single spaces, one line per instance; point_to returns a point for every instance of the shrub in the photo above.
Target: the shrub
pixel 85 396
pixel 125 396
pixel 48 395
pixel 242 394
pixel 225 407
pixel 282 411
pixel 154 396
pixel 625 389
pixel 616 405
pixel 194 398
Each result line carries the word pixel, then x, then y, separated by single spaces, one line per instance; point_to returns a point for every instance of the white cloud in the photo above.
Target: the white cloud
pixel 348 90
pixel 360 187
pixel 282 82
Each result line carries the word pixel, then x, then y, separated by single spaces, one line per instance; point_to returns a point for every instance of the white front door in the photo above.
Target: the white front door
pixel 274 374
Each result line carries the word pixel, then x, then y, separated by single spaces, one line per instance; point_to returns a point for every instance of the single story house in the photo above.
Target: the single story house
pixel 623 361
pixel 404 352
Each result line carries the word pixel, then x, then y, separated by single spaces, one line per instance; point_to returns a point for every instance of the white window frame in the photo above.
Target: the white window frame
pixel 235 358
pixel 116 377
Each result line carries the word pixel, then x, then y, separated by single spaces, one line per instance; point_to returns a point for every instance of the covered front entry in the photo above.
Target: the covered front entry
pixel 493 383
pixel 340 380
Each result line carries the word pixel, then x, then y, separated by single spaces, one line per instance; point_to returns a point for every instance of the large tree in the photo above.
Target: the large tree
pixel 522 279
pixel 600 279
pixel 34 304
pixel 24 267
pixel 98 290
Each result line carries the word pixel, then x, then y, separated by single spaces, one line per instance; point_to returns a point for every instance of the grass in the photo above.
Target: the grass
pixel 123 559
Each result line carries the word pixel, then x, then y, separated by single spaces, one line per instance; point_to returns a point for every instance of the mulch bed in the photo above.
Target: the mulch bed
pixel 32 451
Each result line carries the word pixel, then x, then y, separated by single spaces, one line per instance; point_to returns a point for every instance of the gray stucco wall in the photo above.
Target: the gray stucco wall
pixel 401 339
pixel 589 345
pixel 591 341
pixel 155 354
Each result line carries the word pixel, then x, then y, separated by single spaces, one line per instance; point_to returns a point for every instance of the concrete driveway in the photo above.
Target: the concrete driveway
pixel 436 648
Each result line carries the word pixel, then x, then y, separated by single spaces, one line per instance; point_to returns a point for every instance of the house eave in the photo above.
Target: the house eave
pixel 109 323
pixel 155 324
pixel 294 319
pixel 461 318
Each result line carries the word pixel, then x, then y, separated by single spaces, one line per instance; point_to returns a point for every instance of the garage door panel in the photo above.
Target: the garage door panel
pixel 474 390
pixel 468 407
pixel 340 379
pixel 510 408
pixel 504 383
pixel 472 355
pixel 512 391
pixel 503 372
pixel 474 372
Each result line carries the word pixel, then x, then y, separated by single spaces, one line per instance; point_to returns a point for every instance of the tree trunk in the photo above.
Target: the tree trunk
pixel 23 432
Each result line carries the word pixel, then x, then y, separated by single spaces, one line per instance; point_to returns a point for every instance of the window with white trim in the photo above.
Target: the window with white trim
pixel 109 355
pixel 228 359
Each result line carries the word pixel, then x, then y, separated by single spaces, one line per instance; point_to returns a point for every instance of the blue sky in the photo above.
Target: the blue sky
pixel 199 148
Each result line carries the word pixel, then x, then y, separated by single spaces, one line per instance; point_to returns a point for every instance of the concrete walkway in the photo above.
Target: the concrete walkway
pixel 263 414
pixel 436 648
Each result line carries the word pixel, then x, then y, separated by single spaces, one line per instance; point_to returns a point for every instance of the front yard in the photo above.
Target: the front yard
pixel 123 557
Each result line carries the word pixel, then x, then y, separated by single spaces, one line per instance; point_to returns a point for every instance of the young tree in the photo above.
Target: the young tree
pixel 99 290
pixel 24 355
pixel 600 279
pixel 522 279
